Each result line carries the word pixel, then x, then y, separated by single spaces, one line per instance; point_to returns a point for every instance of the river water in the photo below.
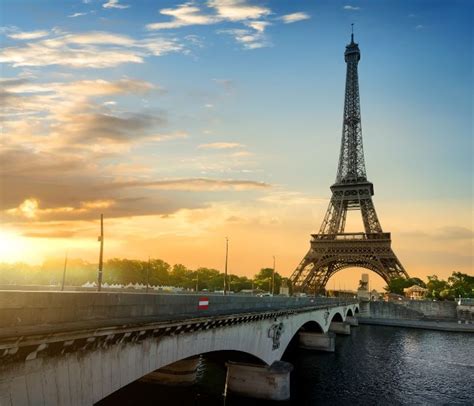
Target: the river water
pixel 375 365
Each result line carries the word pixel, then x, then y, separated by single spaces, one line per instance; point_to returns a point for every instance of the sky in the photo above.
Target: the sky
pixel 188 122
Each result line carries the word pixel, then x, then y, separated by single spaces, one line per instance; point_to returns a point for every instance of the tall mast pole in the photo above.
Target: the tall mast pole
pixel 273 276
pixel 64 272
pixel 148 274
pixel 225 268
pixel 101 254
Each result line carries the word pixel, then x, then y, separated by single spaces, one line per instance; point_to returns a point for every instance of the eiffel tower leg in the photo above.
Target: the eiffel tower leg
pixel 300 272
pixel 369 216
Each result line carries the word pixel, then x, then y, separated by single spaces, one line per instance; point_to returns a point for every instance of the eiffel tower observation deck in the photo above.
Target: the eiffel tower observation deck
pixel 333 249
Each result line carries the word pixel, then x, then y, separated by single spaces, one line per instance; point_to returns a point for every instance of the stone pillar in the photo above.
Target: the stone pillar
pixel 340 327
pixel 317 341
pixel 259 381
pixel 179 373
pixel 352 321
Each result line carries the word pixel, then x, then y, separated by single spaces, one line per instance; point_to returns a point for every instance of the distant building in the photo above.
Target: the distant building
pixel 415 292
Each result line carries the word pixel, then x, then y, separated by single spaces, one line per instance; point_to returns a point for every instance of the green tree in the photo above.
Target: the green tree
pixel 159 272
pixel 263 280
pixel 397 285
pixel 461 285
pixel 435 286
pixel 181 276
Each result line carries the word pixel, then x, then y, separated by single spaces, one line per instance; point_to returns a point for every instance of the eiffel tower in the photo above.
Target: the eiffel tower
pixel 332 249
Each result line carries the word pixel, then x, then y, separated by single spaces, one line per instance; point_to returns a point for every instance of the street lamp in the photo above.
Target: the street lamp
pixel 225 268
pixel 101 254
pixel 273 277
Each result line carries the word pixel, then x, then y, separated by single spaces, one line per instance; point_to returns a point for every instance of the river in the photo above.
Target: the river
pixel 375 365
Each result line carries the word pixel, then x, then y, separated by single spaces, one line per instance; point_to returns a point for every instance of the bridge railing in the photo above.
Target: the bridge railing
pixel 19 309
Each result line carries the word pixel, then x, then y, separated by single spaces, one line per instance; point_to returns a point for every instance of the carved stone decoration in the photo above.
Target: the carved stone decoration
pixel 326 317
pixel 275 332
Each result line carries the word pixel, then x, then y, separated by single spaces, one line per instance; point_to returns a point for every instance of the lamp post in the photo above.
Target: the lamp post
pixel 273 276
pixel 225 268
pixel 101 254
pixel 197 280
pixel 64 272
pixel 148 275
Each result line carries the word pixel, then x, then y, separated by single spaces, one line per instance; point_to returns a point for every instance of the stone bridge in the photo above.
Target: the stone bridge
pixel 75 348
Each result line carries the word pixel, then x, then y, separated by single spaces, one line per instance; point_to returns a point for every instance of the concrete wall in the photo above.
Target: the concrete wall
pixel 389 310
pixel 436 310
pixel 40 308
pixel 85 377
pixel 409 310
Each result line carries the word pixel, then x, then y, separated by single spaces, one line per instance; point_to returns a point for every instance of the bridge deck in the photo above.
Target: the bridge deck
pixel 185 311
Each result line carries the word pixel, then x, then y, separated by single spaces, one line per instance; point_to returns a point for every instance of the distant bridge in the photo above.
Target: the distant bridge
pixel 75 348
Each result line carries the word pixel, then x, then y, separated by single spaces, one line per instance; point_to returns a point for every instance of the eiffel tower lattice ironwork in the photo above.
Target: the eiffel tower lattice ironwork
pixel 332 249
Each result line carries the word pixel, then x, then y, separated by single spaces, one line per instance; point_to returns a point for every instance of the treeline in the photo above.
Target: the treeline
pixel 125 271
pixel 458 285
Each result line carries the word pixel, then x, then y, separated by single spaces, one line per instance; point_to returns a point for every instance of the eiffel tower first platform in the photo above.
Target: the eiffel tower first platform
pixel 332 249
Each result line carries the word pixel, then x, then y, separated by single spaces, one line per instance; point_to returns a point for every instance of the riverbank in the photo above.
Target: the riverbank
pixel 419 324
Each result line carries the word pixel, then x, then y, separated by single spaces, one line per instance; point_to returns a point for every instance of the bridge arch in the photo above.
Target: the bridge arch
pixel 349 313
pixel 337 317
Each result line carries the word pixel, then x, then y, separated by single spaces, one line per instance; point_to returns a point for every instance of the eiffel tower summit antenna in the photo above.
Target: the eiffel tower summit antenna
pixel 333 249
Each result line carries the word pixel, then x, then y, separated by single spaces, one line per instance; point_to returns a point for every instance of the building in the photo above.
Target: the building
pixel 415 292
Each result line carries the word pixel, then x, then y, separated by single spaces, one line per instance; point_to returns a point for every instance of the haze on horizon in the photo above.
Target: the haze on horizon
pixel 186 122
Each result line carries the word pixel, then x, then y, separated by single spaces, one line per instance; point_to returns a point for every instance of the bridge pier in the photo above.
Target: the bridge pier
pixel 352 321
pixel 259 381
pixel 317 341
pixel 179 373
pixel 340 327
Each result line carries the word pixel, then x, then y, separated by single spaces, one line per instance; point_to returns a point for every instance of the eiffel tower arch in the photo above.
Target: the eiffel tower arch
pixel 333 249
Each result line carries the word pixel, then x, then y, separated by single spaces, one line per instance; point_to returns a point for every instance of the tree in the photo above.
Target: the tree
pixel 159 272
pixel 182 277
pixel 435 286
pixel 263 280
pixel 397 285
pixel 461 284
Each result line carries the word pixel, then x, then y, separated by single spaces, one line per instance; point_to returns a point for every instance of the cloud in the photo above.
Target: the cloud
pixel 250 15
pixel 351 8
pixel 238 10
pixel 294 17
pixel 289 198
pixel 95 49
pixel 115 4
pixel 224 10
pixel 29 35
pixel 89 126
pixel 249 39
pixel 77 15
pixel 197 184
pixel 258 26
pixel 185 14
pixel 221 145
pixel 419 27
pixel 65 162
pixel 22 96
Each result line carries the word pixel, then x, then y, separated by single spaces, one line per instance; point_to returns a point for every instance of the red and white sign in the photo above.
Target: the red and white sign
pixel 203 303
